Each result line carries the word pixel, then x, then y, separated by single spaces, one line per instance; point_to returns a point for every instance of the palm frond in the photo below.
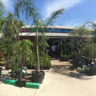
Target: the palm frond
pixel 26 8
pixel 54 16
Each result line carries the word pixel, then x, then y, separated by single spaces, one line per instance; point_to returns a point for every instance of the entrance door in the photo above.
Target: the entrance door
pixel 53 43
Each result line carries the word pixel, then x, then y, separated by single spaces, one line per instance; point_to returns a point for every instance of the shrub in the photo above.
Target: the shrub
pixel 65 57
pixel 45 61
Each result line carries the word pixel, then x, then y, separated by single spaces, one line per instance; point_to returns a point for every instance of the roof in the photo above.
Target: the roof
pixel 47 34
pixel 57 27
pixel 51 35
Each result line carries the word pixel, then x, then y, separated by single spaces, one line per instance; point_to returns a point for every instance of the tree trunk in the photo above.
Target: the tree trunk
pixel 37 53
pixel 17 31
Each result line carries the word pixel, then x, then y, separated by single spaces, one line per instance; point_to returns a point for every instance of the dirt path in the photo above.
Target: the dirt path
pixel 58 62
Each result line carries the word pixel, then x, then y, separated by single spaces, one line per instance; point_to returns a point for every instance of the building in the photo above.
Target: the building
pixel 51 32
pixel 56 35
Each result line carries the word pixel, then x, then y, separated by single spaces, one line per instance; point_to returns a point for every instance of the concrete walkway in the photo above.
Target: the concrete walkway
pixel 56 83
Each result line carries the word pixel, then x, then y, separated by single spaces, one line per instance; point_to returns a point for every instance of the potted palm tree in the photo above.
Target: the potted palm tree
pixel 38 75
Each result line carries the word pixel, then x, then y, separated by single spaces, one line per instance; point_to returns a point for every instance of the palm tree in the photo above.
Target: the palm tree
pixel 44 25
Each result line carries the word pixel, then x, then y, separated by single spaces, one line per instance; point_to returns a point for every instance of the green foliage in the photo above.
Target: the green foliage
pixel 23 51
pixel 27 9
pixel 9 34
pixel 43 45
pixel 2 22
pixel 66 47
pixel 80 32
pixel 94 33
pixel 19 51
pixel 32 60
pixel 1 9
pixel 9 27
pixel 65 57
pixel 84 69
pixel 45 61
pixel 81 37
pixel 53 16
pixel 88 51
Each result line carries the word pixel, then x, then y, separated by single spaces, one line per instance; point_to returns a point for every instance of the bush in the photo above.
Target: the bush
pixel 65 57
pixel 44 61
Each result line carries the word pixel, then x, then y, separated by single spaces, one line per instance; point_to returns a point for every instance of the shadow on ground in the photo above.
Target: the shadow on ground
pixel 3 77
pixel 9 76
pixel 65 70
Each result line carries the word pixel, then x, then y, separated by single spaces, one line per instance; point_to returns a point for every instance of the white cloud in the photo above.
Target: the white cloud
pixel 53 5
pixel 8 4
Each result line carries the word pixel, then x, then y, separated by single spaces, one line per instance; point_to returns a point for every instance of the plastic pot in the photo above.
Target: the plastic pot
pixel 38 77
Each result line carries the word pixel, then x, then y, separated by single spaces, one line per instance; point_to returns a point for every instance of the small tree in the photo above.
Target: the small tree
pixel 9 27
pixel 22 52
pixel 80 37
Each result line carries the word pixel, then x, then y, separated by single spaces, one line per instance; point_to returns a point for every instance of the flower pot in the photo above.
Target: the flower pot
pixel 38 77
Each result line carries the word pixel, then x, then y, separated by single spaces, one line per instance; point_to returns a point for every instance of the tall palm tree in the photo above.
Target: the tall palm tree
pixel 44 25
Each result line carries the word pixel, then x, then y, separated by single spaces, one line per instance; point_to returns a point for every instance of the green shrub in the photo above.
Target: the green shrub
pixel 45 61
pixel 65 57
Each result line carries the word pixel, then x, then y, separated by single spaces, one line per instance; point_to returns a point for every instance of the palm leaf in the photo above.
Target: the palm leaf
pixel 26 8
pixel 54 16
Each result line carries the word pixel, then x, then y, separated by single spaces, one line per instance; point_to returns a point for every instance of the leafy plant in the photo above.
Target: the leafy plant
pixel 1 9
pixel 45 61
pixel 23 52
pixel 80 38
pixel 65 57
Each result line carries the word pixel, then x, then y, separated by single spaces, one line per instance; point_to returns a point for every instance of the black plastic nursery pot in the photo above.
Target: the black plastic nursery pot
pixel 21 83
pixel 38 77
pixel 91 73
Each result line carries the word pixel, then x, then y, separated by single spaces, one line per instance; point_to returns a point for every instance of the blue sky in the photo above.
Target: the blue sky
pixel 76 11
